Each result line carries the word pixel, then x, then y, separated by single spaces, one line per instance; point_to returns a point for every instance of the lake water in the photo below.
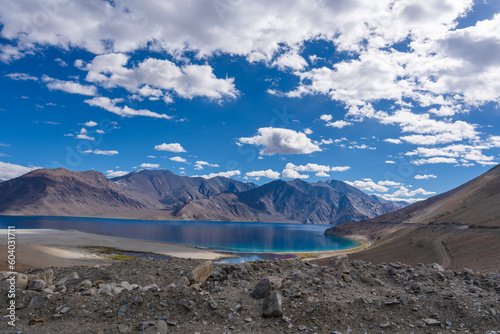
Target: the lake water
pixel 249 238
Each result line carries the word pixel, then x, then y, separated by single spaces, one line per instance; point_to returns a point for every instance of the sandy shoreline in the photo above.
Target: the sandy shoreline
pixel 49 247
pixel 37 248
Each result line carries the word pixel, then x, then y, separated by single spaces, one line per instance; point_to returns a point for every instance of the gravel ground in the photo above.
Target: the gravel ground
pixel 282 296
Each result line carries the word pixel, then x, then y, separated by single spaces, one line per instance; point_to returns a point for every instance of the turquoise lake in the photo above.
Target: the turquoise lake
pixel 220 236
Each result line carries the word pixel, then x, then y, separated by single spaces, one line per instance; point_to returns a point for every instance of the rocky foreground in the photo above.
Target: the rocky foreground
pixel 287 296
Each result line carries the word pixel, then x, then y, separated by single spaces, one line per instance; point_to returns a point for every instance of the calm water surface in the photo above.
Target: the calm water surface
pixel 221 236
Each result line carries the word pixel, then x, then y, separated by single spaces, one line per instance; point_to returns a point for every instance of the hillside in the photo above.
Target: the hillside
pixel 161 194
pixel 459 228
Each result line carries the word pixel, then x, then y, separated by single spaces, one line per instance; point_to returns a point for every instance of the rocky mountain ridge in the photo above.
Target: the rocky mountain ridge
pixel 161 194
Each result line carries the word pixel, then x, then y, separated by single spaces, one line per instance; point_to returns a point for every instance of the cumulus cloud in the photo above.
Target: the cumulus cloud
pixel 9 171
pixel 118 173
pixel 199 165
pixel 172 147
pixel 111 106
pixel 465 153
pixel 368 185
pixel 393 140
pixel 293 174
pixel 178 159
pixel 425 177
pixel 148 165
pixel 269 173
pixel 282 141
pixel 158 78
pixel 90 124
pixel 69 86
pixel 390 162
pixel 102 152
pixel 227 174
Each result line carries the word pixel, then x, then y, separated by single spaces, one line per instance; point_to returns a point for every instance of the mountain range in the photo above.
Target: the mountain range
pixel 459 228
pixel 161 194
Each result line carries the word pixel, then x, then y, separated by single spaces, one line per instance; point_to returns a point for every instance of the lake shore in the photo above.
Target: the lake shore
pixel 39 248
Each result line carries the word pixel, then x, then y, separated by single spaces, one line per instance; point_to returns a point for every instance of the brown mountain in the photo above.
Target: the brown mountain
pixel 458 228
pixel 63 192
pixel 160 194
pixel 289 201
pixel 163 189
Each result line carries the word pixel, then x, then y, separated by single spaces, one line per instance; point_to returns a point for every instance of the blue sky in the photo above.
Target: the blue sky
pixel 399 98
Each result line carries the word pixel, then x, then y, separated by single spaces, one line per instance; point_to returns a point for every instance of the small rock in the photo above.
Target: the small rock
pixel 85 285
pixel 123 328
pixel 248 319
pixel 200 273
pixel 339 262
pixel 122 310
pixel 65 310
pixel 37 285
pixel 432 322
pixel 183 281
pixel 68 277
pixel 262 288
pixel 437 266
pixel 126 286
pixel 35 300
pixel 385 325
pixel 212 303
pixel 60 289
pixel 272 305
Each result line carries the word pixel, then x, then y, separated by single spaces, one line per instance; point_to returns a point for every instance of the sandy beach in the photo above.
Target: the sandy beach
pixel 38 248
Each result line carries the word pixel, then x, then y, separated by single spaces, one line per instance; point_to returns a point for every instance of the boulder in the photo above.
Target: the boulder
pixel 37 285
pixel 200 273
pixel 340 262
pixel 272 305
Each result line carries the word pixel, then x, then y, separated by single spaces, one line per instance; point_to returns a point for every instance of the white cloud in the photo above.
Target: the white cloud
pixel 390 162
pixel 9 171
pixel 110 105
pixel 322 174
pixel 102 152
pixel 227 174
pixel 389 183
pixel 84 137
pixel 270 174
pixel 198 165
pixel 148 165
pixel 178 159
pixel 405 192
pixel 90 124
pixel 172 147
pixel 425 177
pixel 69 86
pixel 338 124
pixel 466 153
pixel 282 141
pixel 158 78
pixel 434 160
pixel 393 141
pixel 118 173
pixel 290 60
pixel 326 117
pixel 293 174
pixel 368 185
pixel 21 76
pixel 308 168
pixel 340 168
pixel 308 131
